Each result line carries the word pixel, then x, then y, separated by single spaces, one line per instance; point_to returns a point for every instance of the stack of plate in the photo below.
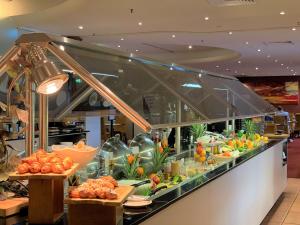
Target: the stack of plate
pixel 137 201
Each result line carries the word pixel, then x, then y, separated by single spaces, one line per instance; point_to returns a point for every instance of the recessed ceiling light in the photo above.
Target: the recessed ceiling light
pixel 282 64
pixel 217 66
pixel 239 61
pixel 140 23
pixel 62 47
pixel 129 60
pixel 206 18
pixel 230 32
pixel 119 46
pixel 171 68
pixel 292 70
pixel 282 13
pixel 136 50
pixel 227 69
pixel 173 36
pixel 294 74
pixel 294 28
pixel 190 46
pixel 80 27
pixel 199 75
pixel 256 68
pixel 122 39
pixel 247 43
pixel 276 60
pixel 268 56
pixel 259 50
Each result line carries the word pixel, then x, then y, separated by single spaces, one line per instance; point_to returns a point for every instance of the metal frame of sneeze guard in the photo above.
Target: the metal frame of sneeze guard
pixel 40 38
pixel 22 46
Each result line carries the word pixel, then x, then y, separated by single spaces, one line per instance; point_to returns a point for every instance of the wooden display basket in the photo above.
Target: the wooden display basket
pixel 98 211
pixel 46 195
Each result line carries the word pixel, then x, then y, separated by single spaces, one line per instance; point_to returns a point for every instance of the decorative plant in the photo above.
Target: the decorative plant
pixel 159 156
pixel 198 130
pixel 131 166
pixel 250 128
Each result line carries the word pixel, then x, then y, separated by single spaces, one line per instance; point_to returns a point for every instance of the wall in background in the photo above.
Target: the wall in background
pixel 279 79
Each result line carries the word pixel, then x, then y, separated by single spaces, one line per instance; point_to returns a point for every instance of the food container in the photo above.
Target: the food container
pixel 81 156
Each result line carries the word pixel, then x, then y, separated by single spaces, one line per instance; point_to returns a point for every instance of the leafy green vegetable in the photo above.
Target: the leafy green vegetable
pixel 198 130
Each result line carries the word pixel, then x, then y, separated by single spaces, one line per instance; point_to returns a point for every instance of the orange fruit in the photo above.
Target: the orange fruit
pixel 130 159
pixel 140 171
pixel 160 150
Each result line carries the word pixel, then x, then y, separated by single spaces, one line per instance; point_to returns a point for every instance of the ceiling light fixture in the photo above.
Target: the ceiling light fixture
pixel 61 47
pixel 281 64
pixel 294 28
pixel 190 46
pixel 217 66
pixel 276 60
pixel 199 75
pixel 206 18
pixel 247 43
pixel 49 79
pixel 173 36
pixel 268 56
pixel 136 50
pixel 129 60
pixel 80 27
pixel 282 13
pixel 230 33
pixel 140 23
pixel 122 39
pixel 119 46
pixel 259 50
pixel 256 68
pixel 131 54
pixel 239 61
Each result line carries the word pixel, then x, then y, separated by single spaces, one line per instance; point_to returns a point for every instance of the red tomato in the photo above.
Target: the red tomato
pixel 23 168
pixel 30 160
pixel 57 168
pixel 56 160
pixel 46 168
pixel 35 167
pixel 67 163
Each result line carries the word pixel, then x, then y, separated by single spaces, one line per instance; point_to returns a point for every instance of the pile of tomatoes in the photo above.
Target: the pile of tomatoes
pixel 43 162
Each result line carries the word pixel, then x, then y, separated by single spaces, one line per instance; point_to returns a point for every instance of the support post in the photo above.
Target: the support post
pixel 178 131
pixel 43 121
pixel 29 133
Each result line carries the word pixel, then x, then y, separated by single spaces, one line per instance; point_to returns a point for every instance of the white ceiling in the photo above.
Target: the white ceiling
pixel 107 21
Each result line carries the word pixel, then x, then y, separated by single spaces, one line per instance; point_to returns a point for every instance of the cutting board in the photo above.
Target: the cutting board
pixel 12 206
pixel 122 191
pixel 25 176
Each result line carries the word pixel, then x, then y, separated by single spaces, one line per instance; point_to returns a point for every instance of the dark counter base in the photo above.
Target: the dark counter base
pixel 167 199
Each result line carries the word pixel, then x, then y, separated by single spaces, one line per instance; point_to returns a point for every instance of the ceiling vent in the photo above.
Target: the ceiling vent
pixel 231 2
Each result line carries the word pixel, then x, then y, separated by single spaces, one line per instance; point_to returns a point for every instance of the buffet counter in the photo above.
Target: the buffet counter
pixel 250 184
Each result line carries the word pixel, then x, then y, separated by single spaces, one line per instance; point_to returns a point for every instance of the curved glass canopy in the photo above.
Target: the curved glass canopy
pixel 164 95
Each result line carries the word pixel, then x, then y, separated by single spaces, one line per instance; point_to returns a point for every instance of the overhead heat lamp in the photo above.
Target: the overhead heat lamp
pixel 49 79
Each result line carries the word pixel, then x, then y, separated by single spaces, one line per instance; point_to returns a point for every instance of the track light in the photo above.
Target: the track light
pixel 48 77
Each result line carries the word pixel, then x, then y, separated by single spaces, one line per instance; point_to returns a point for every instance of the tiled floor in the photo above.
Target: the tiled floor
pixel 286 210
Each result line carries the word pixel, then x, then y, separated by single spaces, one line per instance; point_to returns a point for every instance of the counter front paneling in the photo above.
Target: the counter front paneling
pixel 239 192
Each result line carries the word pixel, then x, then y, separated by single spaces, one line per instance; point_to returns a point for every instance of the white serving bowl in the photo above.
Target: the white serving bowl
pixel 82 157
